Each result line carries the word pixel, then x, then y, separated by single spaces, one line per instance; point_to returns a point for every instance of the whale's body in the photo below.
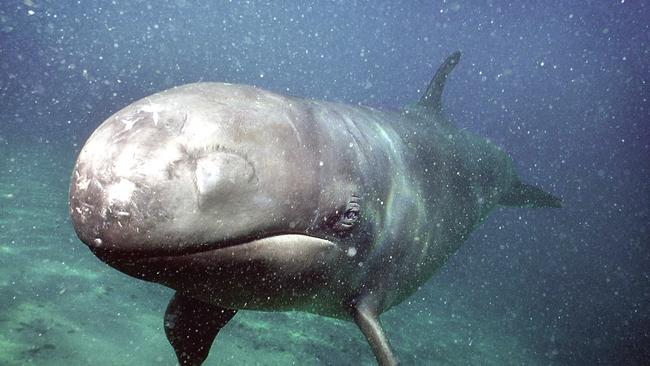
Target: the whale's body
pixel 240 198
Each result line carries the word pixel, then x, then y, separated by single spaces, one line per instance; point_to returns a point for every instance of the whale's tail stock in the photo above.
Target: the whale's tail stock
pixel 527 195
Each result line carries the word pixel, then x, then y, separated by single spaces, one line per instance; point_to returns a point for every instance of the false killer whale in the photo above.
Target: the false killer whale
pixel 241 198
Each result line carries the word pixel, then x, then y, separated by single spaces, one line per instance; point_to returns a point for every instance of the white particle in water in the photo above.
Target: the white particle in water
pixel 352 251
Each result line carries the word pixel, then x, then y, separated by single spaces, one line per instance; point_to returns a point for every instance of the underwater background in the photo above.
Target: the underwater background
pixel 563 87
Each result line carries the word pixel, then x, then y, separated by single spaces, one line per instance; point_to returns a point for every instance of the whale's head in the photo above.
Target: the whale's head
pixel 216 183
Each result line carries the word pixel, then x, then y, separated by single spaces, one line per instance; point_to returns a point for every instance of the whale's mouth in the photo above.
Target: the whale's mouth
pixel 282 245
pixel 288 258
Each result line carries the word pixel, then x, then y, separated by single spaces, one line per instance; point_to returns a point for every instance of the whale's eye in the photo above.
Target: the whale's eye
pixel 350 216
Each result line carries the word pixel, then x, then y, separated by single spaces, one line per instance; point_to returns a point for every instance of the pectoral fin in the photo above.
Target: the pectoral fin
pixel 366 317
pixel 191 326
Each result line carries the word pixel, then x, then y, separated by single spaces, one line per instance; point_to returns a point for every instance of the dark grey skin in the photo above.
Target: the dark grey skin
pixel 240 198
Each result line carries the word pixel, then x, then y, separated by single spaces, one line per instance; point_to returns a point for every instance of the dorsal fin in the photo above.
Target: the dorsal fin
pixel 432 98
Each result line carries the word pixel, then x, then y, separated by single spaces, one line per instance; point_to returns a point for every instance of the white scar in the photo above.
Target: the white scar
pixel 154 109
pixel 120 191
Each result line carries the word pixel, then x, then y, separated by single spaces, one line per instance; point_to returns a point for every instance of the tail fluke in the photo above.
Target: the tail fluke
pixel 526 195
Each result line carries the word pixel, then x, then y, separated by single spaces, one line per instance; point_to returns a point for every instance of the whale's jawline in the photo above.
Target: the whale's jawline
pixel 293 242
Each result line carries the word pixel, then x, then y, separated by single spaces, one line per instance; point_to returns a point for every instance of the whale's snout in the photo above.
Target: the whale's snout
pixel 111 214
pixel 174 198
pixel 187 170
